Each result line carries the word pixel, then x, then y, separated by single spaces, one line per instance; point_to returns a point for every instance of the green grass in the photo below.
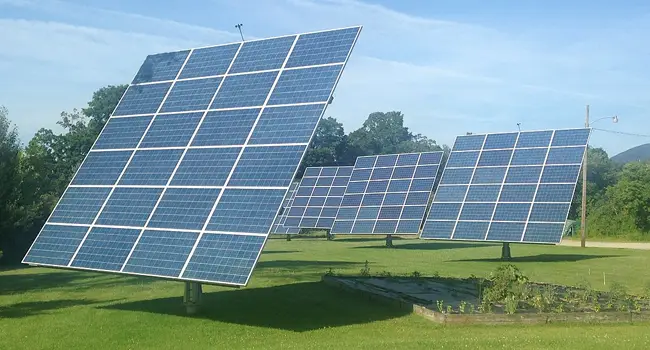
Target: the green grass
pixel 286 306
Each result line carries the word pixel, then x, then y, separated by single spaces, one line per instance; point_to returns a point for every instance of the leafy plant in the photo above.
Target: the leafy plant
pixel 449 309
pixel 440 304
pixel 329 272
pixel 472 309
pixel 416 274
pixel 462 307
pixel 385 274
pixel 511 304
pixel 365 271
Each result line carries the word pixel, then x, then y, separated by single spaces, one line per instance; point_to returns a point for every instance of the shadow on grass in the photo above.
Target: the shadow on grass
pixel 33 308
pixel 78 280
pixel 297 307
pixel 430 246
pixel 543 258
pixel 280 251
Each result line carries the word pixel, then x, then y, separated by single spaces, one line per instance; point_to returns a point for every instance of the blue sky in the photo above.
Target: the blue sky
pixel 449 66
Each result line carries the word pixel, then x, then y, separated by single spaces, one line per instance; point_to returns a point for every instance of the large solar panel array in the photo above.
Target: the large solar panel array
pixel 280 220
pixel 319 197
pixel 509 187
pixel 388 194
pixel 187 176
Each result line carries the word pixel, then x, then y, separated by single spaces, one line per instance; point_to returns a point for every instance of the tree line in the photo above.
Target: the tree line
pixel 34 176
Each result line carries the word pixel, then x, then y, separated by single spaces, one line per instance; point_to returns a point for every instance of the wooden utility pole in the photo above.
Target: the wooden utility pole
pixel 583 219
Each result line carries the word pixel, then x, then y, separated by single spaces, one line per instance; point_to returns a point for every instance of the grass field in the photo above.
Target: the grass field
pixel 286 307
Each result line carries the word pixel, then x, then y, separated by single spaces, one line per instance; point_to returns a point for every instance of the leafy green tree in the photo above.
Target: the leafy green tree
pixel 9 178
pixel 328 146
pixel 385 133
pixel 602 172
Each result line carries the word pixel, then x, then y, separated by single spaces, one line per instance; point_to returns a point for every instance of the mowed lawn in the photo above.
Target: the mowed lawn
pixel 286 307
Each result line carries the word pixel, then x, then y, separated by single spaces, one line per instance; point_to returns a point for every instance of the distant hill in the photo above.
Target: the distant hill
pixel 635 154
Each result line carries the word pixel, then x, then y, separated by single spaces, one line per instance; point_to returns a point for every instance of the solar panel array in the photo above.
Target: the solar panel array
pixel 388 194
pixel 280 220
pixel 319 197
pixel 189 173
pixel 508 187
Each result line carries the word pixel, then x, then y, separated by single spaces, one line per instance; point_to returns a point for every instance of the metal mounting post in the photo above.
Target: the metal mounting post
pixel 505 251
pixel 192 297
pixel 389 241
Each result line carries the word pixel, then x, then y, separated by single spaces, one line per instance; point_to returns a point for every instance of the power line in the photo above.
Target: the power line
pixel 622 133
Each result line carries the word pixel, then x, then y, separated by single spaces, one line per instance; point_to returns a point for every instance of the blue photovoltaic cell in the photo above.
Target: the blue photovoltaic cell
pixel 393 200
pixel 79 205
pixel 56 245
pixel 305 85
pixel 129 206
pixel 209 61
pixel 171 130
pixel 224 257
pixel 323 48
pixel 184 208
pixel 319 197
pixel 199 140
pixel 160 67
pixel 205 167
pixel 221 128
pixel 106 248
pixel 101 168
pixel 151 167
pixel 280 220
pixel 122 132
pixel 292 124
pixel 262 54
pixel 521 187
pixel 267 166
pixel 142 99
pixel 191 95
pixel 248 90
pixel 161 253
pixel 234 213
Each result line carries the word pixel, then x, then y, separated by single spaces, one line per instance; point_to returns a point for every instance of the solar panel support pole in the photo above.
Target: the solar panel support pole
pixel 330 236
pixel 505 251
pixel 389 241
pixel 288 238
pixel 192 297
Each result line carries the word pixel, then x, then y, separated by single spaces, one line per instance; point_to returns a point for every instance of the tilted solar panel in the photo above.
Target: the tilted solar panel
pixel 280 220
pixel 509 187
pixel 188 175
pixel 319 197
pixel 387 194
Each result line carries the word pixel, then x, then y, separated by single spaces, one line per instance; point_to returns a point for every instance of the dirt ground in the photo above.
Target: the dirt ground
pixel 622 245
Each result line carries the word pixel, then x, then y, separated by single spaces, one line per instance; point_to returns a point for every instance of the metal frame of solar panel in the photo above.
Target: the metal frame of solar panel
pixel 279 223
pixel 319 197
pixel 508 187
pixel 191 169
pixel 388 194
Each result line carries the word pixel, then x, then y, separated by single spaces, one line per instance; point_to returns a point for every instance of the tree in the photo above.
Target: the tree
pixel 602 172
pixel 385 133
pixel 9 178
pixel 49 162
pixel 328 146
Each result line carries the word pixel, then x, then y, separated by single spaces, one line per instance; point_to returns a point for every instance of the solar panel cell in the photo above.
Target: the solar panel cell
pixel 79 205
pixel 291 124
pixel 220 128
pixel 248 90
pixel 122 132
pixel 159 67
pixel 142 99
pixel 105 248
pixel 205 167
pixel 184 208
pixel 171 130
pixel 129 206
pixel 209 61
pixel 266 166
pixel 191 95
pixel 57 244
pixel 262 54
pixel 234 213
pixel 161 253
pixel 101 168
pixel 305 85
pixel 151 167
pixel 322 48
